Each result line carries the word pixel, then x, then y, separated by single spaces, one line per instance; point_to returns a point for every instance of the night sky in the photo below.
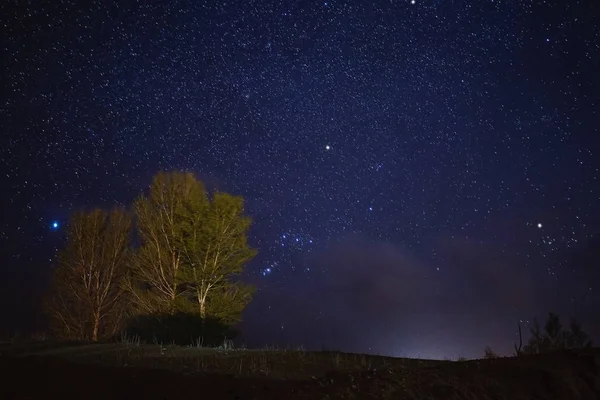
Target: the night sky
pixel 422 174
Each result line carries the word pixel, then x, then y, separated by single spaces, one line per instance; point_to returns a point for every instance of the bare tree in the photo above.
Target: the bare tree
pixel 84 300
pixel 518 349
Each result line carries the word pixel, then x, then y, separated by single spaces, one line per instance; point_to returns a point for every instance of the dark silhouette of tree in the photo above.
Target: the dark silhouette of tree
pixel 553 337
pixel 489 353
pixel 518 349
pixel 576 338
pixel 86 299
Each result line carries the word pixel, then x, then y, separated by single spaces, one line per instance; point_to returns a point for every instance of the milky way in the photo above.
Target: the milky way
pixel 419 173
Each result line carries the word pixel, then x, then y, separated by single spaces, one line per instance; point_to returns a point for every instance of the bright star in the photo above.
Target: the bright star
pixel 55 225
pixel 539 226
pixel 327 147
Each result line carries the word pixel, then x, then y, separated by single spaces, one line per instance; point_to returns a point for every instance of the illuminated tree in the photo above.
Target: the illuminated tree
pixel 156 283
pixel 191 248
pixel 86 298
pixel 216 249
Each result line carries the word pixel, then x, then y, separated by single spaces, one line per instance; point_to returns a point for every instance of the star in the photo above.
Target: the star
pixel 254 114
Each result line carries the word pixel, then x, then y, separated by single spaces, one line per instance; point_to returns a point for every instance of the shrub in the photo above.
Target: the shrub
pixel 180 328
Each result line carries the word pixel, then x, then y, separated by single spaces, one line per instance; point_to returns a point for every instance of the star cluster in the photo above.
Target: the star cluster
pixel 450 143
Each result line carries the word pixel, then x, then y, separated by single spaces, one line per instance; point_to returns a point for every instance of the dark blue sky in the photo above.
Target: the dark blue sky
pixel 421 176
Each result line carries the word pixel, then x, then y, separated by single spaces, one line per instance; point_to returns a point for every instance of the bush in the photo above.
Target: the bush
pixel 489 353
pixel 179 328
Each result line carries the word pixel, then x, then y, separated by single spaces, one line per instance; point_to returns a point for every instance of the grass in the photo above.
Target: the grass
pixel 298 373
pixel 268 362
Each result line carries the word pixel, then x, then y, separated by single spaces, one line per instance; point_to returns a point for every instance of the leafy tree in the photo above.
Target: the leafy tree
pixel 85 301
pixel 191 249
pixel 162 217
pixel 216 249
pixel 227 301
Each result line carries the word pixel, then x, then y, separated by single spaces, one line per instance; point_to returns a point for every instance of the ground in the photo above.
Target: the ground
pixel 36 370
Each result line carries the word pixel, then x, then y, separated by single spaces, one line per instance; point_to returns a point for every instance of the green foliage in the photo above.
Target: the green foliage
pixel 554 337
pixel 86 299
pixel 216 248
pixel 191 247
pixel 226 302
pixel 163 219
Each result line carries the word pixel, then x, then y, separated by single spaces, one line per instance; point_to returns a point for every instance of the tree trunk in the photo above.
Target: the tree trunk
pixel 202 302
pixel 96 326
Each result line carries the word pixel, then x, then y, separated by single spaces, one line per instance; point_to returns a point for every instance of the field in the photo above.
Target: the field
pixel 42 369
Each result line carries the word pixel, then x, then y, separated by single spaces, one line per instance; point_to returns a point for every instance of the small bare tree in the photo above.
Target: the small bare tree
pixel 518 349
pixel 86 292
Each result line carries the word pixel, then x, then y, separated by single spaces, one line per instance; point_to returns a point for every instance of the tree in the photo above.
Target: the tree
pixel 518 349
pixel 576 338
pixel 85 298
pixel 554 337
pixel 216 249
pixel 537 343
pixel 174 201
pixel 227 301
pixel 489 353
pixel 191 249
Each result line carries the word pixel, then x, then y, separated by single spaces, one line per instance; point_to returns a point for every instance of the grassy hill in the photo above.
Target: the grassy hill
pixel 32 370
